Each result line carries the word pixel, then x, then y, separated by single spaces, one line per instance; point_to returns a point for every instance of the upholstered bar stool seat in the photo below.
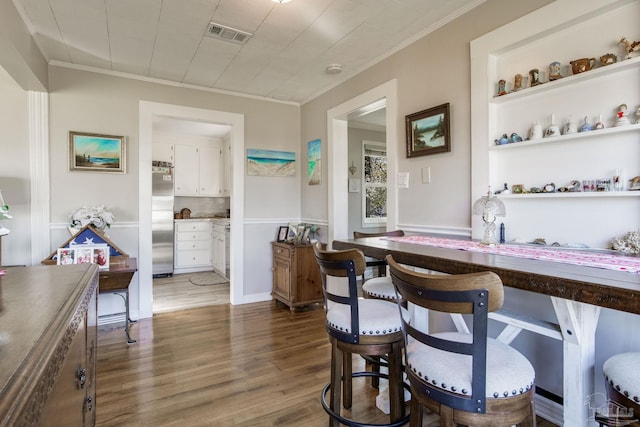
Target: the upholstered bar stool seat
pixel 622 377
pixel 379 287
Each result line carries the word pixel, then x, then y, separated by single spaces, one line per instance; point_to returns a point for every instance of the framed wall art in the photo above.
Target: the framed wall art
pixel 270 162
pixel 96 153
pixel 428 131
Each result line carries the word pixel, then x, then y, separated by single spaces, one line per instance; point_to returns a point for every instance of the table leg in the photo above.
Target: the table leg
pixel 578 322
pixel 127 319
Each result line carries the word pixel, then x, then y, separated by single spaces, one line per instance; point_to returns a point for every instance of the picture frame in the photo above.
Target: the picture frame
pixel 428 131
pixel 283 231
pixel 84 254
pixel 93 152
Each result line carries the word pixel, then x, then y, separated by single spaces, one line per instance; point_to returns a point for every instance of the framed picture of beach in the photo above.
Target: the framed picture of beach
pixel 428 131
pixel 314 162
pixel 96 153
pixel 270 162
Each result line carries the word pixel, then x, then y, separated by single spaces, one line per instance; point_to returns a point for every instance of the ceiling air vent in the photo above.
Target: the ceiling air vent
pixel 227 33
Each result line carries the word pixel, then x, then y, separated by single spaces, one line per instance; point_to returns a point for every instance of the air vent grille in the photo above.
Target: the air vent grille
pixel 227 33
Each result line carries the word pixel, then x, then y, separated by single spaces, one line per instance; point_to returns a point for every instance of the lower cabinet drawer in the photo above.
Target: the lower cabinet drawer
pixel 202 245
pixel 194 235
pixel 192 258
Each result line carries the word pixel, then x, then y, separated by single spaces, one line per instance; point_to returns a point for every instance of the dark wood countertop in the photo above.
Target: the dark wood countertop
pixel 605 288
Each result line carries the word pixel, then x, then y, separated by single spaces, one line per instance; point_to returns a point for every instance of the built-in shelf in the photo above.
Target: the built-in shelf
pixel 568 80
pixel 573 136
pixel 577 194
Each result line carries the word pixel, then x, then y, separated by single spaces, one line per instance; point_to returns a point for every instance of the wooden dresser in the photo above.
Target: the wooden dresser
pixel 296 275
pixel 48 344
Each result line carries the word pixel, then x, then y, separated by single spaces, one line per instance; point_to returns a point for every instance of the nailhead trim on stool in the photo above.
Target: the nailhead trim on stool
pixel 622 371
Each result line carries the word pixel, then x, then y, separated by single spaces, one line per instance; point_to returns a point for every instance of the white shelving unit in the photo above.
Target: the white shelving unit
pixel 579 29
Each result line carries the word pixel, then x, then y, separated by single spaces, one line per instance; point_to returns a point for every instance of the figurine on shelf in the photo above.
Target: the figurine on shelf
pixel 534 77
pixel 608 59
pixel 622 119
pixel 600 123
pixel 504 139
pixel 536 131
pixel 517 82
pixel 629 46
pixel 553 129
pixel 586 127
pixel 501 87
pixel 570 127
pixel 554 71
pixel 638 115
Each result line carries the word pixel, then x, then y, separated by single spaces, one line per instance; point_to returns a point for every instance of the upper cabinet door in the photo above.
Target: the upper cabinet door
pixel 186 170
pixel 210 170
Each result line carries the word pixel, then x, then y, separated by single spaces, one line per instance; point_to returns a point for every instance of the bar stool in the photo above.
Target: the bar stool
pixel 622 378
pixel 467 379
pixel 379 287
pixel 362 326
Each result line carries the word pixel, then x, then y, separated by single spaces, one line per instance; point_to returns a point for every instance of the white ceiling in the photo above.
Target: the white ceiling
pixel 285 58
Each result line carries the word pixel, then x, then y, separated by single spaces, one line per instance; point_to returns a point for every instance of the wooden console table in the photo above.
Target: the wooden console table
pixel 116 281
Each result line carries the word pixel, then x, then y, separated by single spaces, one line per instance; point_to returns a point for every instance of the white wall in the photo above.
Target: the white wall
pixel 92 102
pixel 15 181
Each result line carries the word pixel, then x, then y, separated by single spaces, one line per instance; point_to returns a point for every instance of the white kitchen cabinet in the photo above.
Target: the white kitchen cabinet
pixel 163 152
pixel 210 170
pixel 590 30
pixel 198 170
pixel 226 168
pixel 193 246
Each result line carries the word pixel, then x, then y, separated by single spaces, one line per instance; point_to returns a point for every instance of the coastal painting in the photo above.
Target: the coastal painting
pixel 428 131
pixel 95 152
pixel 270 162
pixel 314 162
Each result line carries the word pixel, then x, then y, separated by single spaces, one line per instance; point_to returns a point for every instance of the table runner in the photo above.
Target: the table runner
pixel 588 259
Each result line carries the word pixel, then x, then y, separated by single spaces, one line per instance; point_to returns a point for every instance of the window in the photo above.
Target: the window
pixel 374 194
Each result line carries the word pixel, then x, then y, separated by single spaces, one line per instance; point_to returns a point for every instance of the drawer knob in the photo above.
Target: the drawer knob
pixel 81 377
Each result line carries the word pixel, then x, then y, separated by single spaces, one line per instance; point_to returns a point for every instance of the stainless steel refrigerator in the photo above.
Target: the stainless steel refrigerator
pixel 162 221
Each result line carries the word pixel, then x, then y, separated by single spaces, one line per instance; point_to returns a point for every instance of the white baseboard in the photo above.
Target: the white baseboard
pixel 111 318
pixel 248 299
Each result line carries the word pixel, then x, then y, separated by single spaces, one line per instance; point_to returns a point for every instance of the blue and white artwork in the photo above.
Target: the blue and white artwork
pixel 271 162
pixel 314 162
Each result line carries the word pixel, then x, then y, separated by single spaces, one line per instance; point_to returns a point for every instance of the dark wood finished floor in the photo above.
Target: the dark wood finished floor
pixel 222 365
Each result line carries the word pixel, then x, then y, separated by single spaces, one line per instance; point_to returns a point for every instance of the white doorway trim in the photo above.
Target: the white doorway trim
pixel 147 111
pixel 337 152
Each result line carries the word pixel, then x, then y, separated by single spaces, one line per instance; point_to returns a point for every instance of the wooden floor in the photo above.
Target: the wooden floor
pixel 178 293
pixel 222 365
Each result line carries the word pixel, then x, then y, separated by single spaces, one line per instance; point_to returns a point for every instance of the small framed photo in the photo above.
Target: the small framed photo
pixel 293 231
pixel 428 131
pixel 305 235
pixel 94 152
pixel 283 231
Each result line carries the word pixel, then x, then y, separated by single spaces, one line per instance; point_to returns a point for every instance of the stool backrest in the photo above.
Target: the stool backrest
pixel 476 294
pixel 347 264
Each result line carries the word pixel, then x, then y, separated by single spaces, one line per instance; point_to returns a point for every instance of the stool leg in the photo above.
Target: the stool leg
pixel 396 391
pixel 336 380
pixel 347 369
pixel 416 413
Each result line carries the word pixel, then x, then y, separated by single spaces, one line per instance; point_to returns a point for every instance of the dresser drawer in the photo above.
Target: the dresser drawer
pixel 283 251
pixel 192 226
pixel 202 245
pixel 191 236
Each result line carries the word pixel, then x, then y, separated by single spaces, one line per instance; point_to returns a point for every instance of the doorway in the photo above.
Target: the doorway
pixel 337 148
pixel 148 112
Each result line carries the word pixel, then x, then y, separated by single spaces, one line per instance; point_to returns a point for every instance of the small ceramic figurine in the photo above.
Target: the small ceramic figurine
pixel 622 119
pixel 534 77
pixel 554 71
pixel 570 127
pixel 536 131
pixel 600 124
pixel 504 139
pixel 501 87
pixel 515 137
pixel 608 59
pixel 517 82
pixel 586 127
pixel 629 46
pixel 638 115
pixel 553 129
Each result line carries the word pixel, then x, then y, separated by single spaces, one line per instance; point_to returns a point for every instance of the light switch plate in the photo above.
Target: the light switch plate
pixel 403 180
